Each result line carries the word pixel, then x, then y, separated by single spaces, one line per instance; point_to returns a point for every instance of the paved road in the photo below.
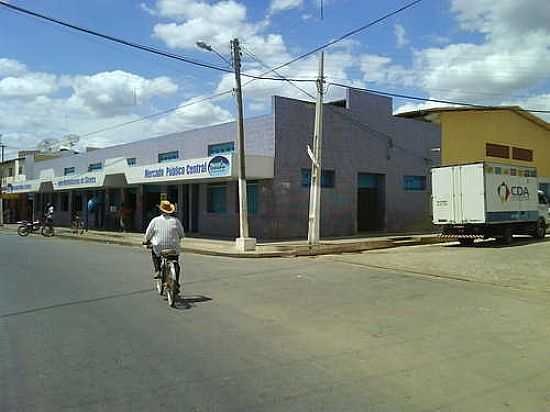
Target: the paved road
pixel 81 329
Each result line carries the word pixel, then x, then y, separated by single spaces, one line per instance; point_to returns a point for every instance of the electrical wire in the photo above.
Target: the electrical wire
pixel 376 133
pixel 346 35
pixel 150 116
pixel 135 45
pixel 426 99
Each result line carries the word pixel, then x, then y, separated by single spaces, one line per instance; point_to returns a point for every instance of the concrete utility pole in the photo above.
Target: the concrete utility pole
pixel 2 182
pixel 315 155
pixel 244 242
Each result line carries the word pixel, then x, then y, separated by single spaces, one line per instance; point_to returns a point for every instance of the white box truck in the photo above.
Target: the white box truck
pixel 485 200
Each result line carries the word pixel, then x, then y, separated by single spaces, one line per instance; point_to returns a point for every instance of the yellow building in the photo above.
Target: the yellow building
pixel 504 135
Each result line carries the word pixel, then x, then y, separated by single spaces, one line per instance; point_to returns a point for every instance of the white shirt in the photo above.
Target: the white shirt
pixel 165 232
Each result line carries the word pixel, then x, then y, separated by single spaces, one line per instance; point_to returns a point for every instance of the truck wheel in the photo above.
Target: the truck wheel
pixel 466 242
pixel 540 230
pixel 508 236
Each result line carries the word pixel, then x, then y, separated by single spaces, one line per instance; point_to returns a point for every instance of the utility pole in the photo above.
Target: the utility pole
pixel 315 155
pixel 244 242
pixel 2 182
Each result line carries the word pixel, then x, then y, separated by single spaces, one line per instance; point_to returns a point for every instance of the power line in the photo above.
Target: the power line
pixel 127 43
pixel 150 116
pixel 426 99
pixel 347 35
pixel 282 77
pixel 377 133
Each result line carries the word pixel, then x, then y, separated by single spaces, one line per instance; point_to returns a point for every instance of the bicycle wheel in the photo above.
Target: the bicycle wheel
pixel 158 285
pixel 47 231
pixel 171 297
pixel 23 231
pixel 171 283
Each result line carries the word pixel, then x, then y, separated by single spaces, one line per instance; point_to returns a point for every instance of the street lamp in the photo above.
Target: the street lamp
pixel 207 47
pixel 244 242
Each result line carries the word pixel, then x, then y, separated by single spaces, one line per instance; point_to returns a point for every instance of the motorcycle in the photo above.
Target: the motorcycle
pixel 26 228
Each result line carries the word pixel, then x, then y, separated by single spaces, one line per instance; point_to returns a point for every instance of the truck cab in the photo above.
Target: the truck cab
pixel 544 208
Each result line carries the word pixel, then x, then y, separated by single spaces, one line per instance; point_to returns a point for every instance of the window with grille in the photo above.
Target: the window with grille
pixel 328 178
pixel 497 150
pixel 214 149
pixel 215 199
pixel 522 154
pixel 92 167
pixel 414 183
pixel 168 156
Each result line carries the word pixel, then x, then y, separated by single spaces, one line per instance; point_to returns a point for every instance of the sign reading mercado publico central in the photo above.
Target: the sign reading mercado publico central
pixel 205 168
pixel 218 166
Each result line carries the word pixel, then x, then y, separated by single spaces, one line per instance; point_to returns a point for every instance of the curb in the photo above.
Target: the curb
pixel 288 251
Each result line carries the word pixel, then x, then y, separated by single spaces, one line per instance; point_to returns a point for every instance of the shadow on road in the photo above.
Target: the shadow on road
pixel 188 302
pixel 77 302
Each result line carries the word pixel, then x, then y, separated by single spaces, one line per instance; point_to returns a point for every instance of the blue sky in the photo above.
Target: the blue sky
pixel 54 81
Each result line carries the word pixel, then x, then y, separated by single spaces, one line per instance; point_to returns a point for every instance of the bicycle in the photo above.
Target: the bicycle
pixel 168 276
pixel 77 225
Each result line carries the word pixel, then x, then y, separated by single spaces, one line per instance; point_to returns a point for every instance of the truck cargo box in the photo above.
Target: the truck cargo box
pixel 484 193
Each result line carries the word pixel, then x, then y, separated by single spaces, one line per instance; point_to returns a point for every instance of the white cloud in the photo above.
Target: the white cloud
pixel 114 93
pixel 28 85
pixel 193 116
pixel 284 5
pixel 216 23
pixel 10 67
pixel 512 56
pixel 31 109
pixel 400 35
pixel 379 69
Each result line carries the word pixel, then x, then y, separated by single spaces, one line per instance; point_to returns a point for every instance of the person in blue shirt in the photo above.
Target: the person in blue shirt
pixel 90 207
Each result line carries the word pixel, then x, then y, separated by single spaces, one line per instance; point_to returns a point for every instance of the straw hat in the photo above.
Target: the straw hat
pixel 167 207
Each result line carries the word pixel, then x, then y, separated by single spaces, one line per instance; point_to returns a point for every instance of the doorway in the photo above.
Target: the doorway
pixel 370 202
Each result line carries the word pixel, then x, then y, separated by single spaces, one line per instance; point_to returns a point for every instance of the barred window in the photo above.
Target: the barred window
pixel 497 150
pixel 522 154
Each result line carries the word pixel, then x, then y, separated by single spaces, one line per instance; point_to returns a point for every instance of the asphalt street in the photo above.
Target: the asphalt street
pixel 81 329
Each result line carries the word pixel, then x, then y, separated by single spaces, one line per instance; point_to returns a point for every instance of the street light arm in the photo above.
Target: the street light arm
pixel 207 47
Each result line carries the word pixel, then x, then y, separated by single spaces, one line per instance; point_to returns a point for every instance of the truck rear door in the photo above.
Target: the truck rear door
pixel 442 196
pixel 472 192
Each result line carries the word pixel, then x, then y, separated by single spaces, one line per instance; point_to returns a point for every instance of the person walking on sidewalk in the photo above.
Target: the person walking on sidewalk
pixel 165 232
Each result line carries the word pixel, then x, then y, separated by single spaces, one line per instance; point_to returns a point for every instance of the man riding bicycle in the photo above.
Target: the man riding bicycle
pixel 165 232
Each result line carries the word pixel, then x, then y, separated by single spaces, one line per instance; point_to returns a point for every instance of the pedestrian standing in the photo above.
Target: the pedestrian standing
pixel 123 216
pixel 90 207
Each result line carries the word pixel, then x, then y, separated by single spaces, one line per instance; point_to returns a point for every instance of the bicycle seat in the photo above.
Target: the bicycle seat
pixel 168 252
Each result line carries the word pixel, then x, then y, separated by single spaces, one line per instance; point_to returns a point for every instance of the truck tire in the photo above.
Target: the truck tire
pixel 508 236
pixel 466 242
pixel 540 230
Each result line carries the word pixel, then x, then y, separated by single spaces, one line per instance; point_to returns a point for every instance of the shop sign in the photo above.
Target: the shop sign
pixel 29 186
pixel 210 167
pixel 75 182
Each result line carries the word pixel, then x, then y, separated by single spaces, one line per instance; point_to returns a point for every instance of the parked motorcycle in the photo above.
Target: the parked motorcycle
pixel 26 228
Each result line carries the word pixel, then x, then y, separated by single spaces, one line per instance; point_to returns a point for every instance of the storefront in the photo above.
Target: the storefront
pixel 368 164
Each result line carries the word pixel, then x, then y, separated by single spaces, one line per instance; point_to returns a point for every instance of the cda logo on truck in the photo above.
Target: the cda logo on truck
pixel 506 193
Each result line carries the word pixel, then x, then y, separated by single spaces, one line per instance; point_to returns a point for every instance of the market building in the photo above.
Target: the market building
pixel 374 179
pixel 508 135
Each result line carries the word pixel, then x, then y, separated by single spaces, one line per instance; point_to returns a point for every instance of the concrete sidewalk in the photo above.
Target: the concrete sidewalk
pixel 227 248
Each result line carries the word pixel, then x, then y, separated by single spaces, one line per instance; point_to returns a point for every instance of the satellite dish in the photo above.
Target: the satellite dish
pixel 67 143
pixel 48 145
